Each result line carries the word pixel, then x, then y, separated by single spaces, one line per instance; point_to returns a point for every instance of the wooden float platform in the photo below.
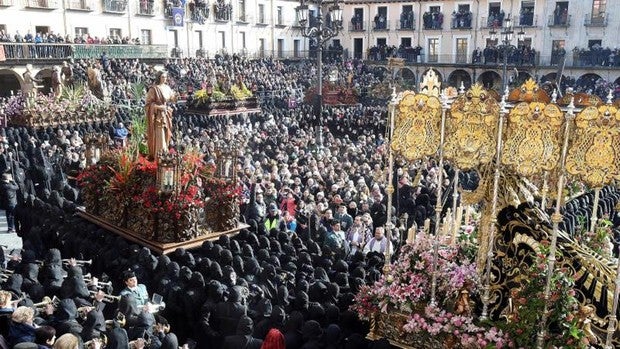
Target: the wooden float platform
pixel 158 247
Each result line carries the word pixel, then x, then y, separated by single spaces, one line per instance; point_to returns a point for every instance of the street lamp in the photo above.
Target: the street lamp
pixel 322 34
pixel 506 36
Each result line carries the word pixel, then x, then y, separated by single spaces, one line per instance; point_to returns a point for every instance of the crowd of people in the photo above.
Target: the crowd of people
pixel 314 197
pixel 597 56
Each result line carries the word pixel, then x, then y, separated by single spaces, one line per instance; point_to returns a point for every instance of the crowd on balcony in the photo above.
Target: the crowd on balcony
pixel 560 16
pixel 526 16
pixel 496 19
pixel 461 19
pixel 357 22
pixel 147 7
pixel 596 56
pixel 223 11
pixel 199 11
pixel 523 55
pixel 381 23
pixel 115 5
pixel 406 20
pixel 381 52
pixel 558 54
pixel 432 20
pixel 315 210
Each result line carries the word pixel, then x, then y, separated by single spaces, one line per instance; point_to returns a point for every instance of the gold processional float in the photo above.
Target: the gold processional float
pixel 527 137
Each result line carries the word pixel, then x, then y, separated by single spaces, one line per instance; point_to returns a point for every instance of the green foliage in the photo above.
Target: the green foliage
pixel 598 239
pixel 137 90
pixel 73 93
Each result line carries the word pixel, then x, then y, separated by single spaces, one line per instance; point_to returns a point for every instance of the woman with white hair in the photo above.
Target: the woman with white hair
pixel 21 328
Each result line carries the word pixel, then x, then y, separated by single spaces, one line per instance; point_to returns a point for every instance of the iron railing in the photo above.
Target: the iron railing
pixel 405 25
pixel 79 5
pixel 42 4
pixel 43 52
pixel 596 21
pixel 433 20
pixel 222 13
pixel 527 20
pixel 6 3
pixel 561 21
pixel 381 26
pixel 114 6
pixel 357 27
pixel 146 8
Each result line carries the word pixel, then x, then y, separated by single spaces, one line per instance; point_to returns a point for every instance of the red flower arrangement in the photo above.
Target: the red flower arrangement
pixel 220 190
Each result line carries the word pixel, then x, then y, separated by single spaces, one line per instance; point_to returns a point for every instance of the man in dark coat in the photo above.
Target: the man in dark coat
pixel 9 195
pixel 243 339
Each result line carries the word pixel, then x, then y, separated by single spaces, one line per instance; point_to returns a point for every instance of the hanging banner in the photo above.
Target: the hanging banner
pixel 178 13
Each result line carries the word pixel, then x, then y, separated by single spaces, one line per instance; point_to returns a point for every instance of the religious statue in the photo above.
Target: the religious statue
pixel 585 314
pixel 67 74
pixel 159 115
pixel 463 304
pixel 95 83
pixel 29 89
pixel 56 82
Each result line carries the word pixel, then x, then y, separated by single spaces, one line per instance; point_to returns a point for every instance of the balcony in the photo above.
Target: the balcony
pixel 528 20
pixel 596 20
pixel 115 6
pixel 243 19
pixel 432 20
pixel 42 4
pixel 379 26
pixel 6 3
pixel 199 13
pixel 262 21
pixel 222 12
pixel 79 5
pixel 462 21
pixel 492 21
pixel 405 25
pixel 26 52
pixel 559 22
pixel 146 8
pixel 357 27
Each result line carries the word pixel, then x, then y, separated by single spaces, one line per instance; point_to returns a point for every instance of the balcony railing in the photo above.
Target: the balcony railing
pixel 6 3
pixel 405 25
pixel 492 21
pixel 528 20
pixel 357 27
pixel 462 21
pixel 381 25
pixel 222 12
pixel 280 22
pixel 561 22
pixel 596 21
pixel 42 4
pixel 262 21
pixel 199 14
pixel 79 5
pixel 114 6
pixel 432 20
pixel 146 8
pixel 47 52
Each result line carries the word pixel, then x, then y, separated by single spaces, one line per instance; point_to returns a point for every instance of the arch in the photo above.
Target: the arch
pixel 408 76
pixel 45 86
pixel 439 75
pixel 551 77
pixel 490 80
pixel 459 76
pixel 587 82
pixel 10 81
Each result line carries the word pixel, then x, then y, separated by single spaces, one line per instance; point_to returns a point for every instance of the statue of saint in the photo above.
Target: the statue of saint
pixel 30 88
pixel 159 115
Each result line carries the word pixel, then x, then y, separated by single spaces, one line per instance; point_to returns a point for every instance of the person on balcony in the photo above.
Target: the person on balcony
pixel 159 115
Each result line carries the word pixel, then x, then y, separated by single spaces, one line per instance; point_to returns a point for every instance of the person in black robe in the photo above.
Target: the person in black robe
pixel 243 338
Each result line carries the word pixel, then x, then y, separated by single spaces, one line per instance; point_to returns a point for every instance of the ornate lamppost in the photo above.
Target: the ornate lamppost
pixel 322 33
pixel 506 47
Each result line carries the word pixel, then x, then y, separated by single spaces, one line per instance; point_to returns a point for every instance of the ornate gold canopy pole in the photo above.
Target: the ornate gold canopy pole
pixel 486 297
pixel 613 321
pixel 438 204
pixel 556 218
pixel 390 186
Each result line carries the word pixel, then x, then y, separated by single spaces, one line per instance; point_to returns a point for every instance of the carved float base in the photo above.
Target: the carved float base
pixel 159 247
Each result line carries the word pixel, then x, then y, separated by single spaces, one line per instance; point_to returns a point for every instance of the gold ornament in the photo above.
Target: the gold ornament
pixel 533 138
pixel 471 129
pixel 417 128
pixel 529 92
pixel 430 84
pixel 594 155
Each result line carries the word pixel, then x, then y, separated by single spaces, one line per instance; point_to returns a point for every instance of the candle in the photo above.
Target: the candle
pixel 411 235
pixel 467 214
pixel 427 225
pixel 457 224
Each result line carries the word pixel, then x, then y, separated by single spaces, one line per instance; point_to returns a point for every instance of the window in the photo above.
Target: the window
pixel 115 33
pixel 560 13
pixel 261 13
pixel 405 42
pixel 558 52
pixel 461 18
pixel 526 14
pixel 406 17
pixel 222 35
pixel 43 29
pixel 296 48
pixel 242 38
pixel 381 41
pixel 433 50
pixel 592 43
pixel 199 39
pixel 496 16
pixel 461 50
pixel 357 21
pixel 280 48
pixel 261 47
pixel 80 31
pixel 145 36
pixel 381 22
pixel 241 10
pixel 279 15
pixel 598 11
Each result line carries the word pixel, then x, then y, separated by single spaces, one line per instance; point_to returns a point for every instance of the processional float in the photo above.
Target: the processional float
pixel 526 138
